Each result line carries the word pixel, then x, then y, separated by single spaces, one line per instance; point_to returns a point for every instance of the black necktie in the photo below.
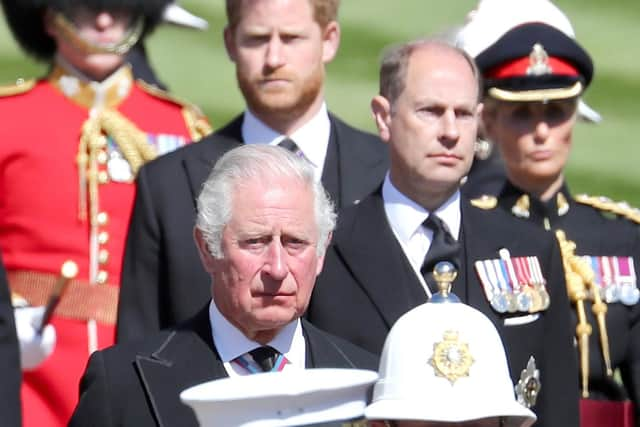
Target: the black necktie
pixel 290 145
pixel 443 248
pixel 265 357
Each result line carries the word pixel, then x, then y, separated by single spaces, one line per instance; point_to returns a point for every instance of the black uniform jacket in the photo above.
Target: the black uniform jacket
pixel 367 283
pixel 138 383
pixel 10 357
pixel 163 280
pixel 596 234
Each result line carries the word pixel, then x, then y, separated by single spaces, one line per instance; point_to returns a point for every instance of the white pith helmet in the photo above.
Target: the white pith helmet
pixel 491 19
pixel 445 362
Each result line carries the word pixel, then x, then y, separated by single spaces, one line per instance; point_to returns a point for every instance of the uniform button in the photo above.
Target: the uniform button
pixel 103 177
pixel 102 157
pixel 103 256
pixel 103 218
pixel 103 237
pixel 102 277
pixel 102 141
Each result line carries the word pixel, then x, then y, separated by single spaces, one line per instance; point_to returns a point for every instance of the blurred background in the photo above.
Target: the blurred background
pixel 605 159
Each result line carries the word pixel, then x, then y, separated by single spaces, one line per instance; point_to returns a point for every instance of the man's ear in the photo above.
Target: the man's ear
pixel 330 41
pixel 381 110
pixel 229 43
pixel 208 260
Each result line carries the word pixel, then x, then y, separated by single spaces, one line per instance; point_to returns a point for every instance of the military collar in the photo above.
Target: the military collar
pixel 74 85
pixel 523 205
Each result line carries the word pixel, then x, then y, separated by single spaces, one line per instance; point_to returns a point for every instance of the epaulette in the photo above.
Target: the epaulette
pixel 605 204
pixel 19 87
pixel 196 121
pixel 485 202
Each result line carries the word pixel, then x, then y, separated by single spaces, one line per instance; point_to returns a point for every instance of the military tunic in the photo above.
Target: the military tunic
pixel 70 149
pixel 598 234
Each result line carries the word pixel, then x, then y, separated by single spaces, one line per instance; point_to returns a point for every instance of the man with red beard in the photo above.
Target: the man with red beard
pixel 72 143
pixel 280 49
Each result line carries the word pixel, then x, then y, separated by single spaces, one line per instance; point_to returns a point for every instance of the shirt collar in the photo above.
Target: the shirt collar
pixel 406 216
pixel 88 93
pixel 312 138
pixel 231 342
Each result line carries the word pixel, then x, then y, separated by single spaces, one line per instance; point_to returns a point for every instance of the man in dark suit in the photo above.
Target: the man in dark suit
pixel 10 357
pixel 263 226
pixel 280 50
pixel 383 253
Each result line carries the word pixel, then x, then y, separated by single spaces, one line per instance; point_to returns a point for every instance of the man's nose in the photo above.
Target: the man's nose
pixel 449 128
pixel 275 52
pixel 104 20
pixel 276 263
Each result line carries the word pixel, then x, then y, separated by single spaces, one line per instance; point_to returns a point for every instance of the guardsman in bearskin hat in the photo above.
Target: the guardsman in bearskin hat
pixel 72 144
pixel 534 76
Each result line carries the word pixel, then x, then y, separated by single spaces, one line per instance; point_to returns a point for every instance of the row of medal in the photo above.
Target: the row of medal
pixel 514 284
pixel 615 277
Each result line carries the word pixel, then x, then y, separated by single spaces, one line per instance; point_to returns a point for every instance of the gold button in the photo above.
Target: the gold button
pixel 102 277
pixel 103 218
pixel 102 141
pixel 103 237
pixel 103 177
pixel 102 157
pixel 103 256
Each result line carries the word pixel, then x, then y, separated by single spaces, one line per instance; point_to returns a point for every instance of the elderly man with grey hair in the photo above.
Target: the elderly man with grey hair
pixel 263 226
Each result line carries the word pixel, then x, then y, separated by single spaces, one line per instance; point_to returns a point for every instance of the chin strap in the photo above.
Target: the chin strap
pixel 69 31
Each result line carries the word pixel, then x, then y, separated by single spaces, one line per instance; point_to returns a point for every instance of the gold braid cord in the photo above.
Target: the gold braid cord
pixel 580 279
pixel 577 291
pixel 131 141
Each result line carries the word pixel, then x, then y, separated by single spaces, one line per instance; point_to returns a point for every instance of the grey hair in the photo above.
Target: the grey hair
pixel 256 163
pixel 395 62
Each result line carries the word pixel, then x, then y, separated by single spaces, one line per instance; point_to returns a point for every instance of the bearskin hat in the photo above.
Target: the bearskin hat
pixel 26 18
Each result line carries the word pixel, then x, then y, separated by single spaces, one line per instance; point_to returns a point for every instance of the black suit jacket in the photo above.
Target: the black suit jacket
pixel 138 384
pixel 163 281
pixel 367 283
pixel 10 357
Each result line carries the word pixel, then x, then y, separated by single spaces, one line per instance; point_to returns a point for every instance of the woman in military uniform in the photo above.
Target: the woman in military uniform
pixel 534 76
pixel 72 143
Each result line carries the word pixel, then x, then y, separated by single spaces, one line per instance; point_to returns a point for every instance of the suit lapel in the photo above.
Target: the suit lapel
pixel 331 168
pixel 356 166
pixel 197 164
pixel 186 358
pixel 379 267
pixel 321 351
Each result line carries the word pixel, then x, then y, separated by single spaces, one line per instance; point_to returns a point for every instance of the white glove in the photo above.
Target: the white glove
pixel 34 347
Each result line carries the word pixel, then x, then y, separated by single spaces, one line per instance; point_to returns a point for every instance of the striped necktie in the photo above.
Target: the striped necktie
pixel 262 359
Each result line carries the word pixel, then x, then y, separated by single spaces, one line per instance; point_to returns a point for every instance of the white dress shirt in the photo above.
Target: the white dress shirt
pixel 312 138
pixel 406 217
pixel 231 343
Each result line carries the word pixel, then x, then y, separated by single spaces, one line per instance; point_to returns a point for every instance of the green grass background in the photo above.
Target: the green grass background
pixel 605 159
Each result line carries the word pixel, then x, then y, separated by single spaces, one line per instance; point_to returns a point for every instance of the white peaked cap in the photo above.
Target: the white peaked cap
pixel 491 19
pixel 177 15
pixel 441 335
pixel 278 399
